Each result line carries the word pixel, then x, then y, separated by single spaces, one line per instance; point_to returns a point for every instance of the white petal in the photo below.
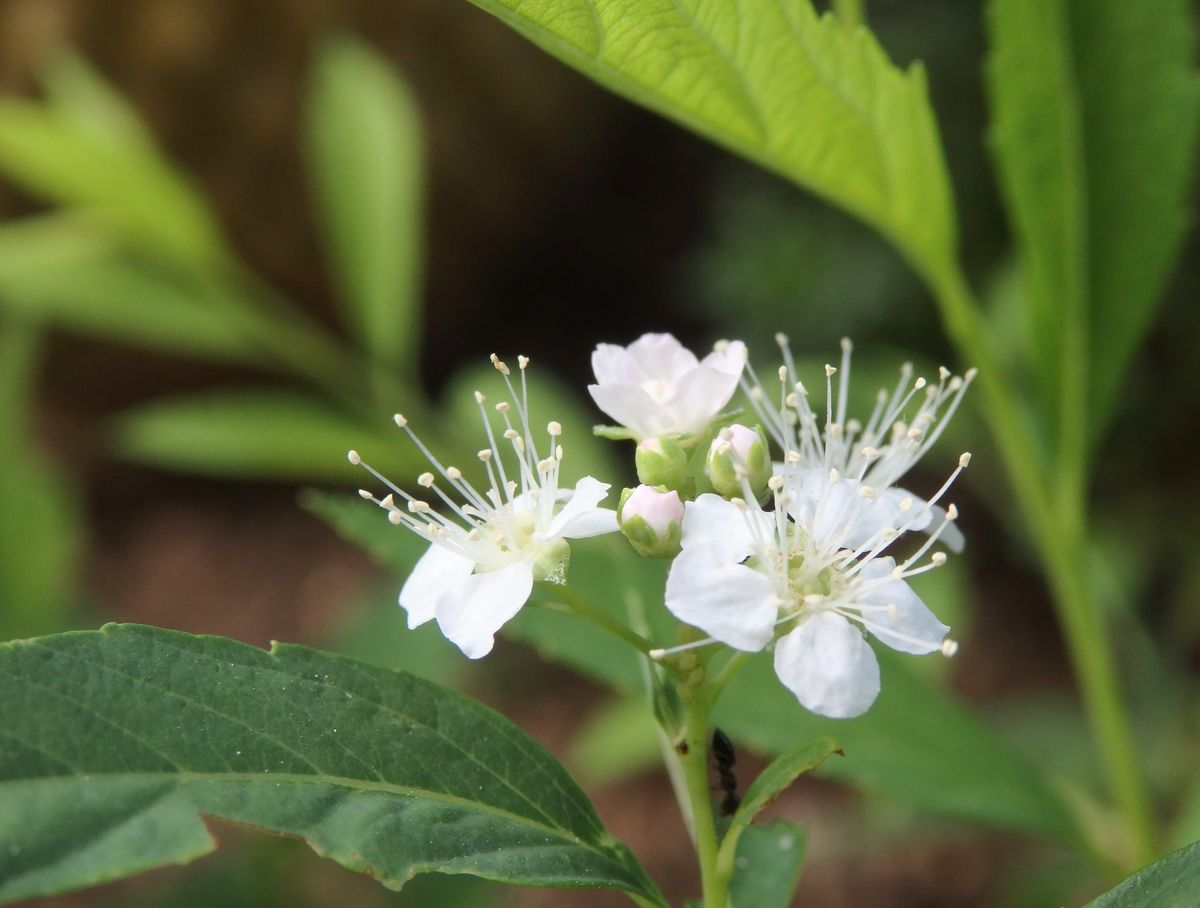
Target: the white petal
pixel 730 360
pixel 595 522
pixel 719 525
pixel 588 493
pixel 613 365
pixel 438 569
pixel 828 665
pixel 910 627
pixel 471 611
pixel 661 356
pixel 729 601
pixel 698 396
pixel 630 406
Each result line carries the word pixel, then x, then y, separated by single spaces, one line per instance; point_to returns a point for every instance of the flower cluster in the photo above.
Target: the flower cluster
pixel 781 533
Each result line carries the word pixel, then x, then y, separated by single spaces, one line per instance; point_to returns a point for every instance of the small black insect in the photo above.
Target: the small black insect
pixel 724 757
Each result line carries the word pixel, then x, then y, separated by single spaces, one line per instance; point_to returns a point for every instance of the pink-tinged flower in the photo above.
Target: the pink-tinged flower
pixel 656 386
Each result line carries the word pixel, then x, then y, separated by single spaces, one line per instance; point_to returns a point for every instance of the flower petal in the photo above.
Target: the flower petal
pixel 613 365
pixel 729 601
pixel 697 397
pixel 578 514
pixel 470 611
pixel 828 665
pixel 438 569
pixel 897 615
pixel 721 526
pixel 661 356
pixel 630 406
pixel 731 359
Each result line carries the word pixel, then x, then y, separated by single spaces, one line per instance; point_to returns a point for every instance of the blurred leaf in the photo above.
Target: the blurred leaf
pixel 619 740
pixel 364 154
pixel 767 865
pixel 252 434
pixel 1173 882
pixel 77 92
pixel 1140 104
pixel 58 269
pixel 115 742
pixel 40 517
pixel 915 745
pixel 81 152
pixel 795 92
pixel 365 525
pixel 1097 104
pixel 781 773
pixel 1038 144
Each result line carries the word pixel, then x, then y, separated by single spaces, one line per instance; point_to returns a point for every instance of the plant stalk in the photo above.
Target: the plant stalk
pixel 693 758
pixel 1059 531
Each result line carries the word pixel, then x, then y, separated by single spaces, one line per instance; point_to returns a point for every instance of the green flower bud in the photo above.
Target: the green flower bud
pixel 736 453
pixel 651 520
pixel 661 462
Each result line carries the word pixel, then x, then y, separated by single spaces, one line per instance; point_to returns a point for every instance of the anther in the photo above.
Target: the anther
pixel 971 373
pixel 454 474
pixel 919 383
pixel 522 362
pixel 510 434
pixel 425 480
pixel 554 428
pixel 951 512
pixel 395 518
pixel 721 345
pixel 485 455
pixel 938 559
pixel 781 339
pixel 949 647
pixel 353 457
pixel 830 371
pixel 834 476
pixel 363 493
pixel 870 453
pixel 847 345
pixel 792 456
pixel 499 364
pixel 479 398
pixel 775 483
pixel 502 407
pixel 782 373
pixel 964 459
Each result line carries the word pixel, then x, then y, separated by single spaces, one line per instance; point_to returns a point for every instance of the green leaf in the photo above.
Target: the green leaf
pixel 61 270
pixel 77 92
pixel 1096 106
pixel 797 93
pixel 1038 144
pixel 255 434
pixel 116 742
pixel 779 774
pixel 1140 106
pixel 916 745
pixel 767 865
pixel 363 138
pixel 1173 882
pixel 91 159
pixel 41 517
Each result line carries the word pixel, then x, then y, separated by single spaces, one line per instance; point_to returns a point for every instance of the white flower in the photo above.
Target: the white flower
pixel 486 553
pixel 655 386
pixel 812 575
pixel 871 456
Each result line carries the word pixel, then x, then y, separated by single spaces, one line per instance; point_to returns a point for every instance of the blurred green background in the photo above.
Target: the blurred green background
pixel 236 237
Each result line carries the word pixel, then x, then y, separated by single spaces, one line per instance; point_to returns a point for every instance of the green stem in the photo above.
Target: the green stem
pixel 585 608
pixel 1059 532
pixel 693 758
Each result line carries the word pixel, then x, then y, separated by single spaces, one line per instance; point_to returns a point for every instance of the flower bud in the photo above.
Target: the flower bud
pixel 735 453
pixel 651 520
pixel 661 462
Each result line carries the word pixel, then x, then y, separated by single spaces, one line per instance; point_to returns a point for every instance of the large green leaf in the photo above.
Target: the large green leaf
pixel 99 164
pixel 115 742
pixel 1173 882
pixel 1096 106
pixel 798 93
pixel 916 745
pixel 364 156
pixel 255 434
